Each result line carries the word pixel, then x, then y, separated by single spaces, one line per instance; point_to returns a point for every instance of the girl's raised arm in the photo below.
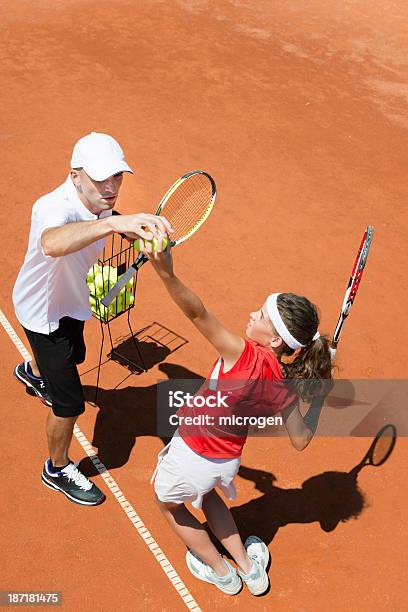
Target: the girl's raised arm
pixel 229 345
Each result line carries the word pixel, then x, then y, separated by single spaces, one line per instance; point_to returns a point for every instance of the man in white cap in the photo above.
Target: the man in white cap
pixel 51 298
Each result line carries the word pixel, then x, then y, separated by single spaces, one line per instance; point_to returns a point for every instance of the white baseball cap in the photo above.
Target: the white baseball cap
pixel 99 155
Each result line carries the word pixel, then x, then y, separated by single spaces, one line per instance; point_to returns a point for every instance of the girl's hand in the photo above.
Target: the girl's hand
pixel 161 260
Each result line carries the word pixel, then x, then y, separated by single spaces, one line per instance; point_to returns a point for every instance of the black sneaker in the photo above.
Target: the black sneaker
pixel 33 384
pixel 72 483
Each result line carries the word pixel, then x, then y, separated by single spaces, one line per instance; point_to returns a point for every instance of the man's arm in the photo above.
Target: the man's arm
pixel 72 237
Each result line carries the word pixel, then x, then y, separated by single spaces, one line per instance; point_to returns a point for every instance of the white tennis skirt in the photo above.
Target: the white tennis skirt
pixel 182 475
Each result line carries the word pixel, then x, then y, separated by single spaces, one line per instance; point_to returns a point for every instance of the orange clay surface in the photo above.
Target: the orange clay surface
pixel 298 110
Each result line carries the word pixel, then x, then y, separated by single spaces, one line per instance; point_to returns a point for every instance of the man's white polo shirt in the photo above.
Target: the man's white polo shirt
pixel 49 288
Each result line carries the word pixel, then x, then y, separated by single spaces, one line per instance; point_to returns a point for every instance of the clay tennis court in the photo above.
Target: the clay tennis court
pixel 299 112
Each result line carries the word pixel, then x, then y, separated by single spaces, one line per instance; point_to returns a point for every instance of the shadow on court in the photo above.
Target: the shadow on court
pixel 151 353
pixel 124 415
pixel 155 342
pixel 328 498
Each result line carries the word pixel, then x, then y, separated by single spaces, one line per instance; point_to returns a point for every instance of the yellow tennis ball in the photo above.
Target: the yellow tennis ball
pixel 102 311
pixel 92 289
pixel 128 299
pixel 95 269
pixel 109 273
pixel 98 283
pixel 116 306
pixel 137 243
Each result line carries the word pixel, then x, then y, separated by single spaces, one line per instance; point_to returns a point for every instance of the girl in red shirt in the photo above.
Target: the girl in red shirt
pixel 284 343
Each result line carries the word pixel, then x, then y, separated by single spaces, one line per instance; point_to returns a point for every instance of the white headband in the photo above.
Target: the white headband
pixel 284 333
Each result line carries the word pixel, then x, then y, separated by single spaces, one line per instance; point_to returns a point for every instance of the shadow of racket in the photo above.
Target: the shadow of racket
pixel 380 449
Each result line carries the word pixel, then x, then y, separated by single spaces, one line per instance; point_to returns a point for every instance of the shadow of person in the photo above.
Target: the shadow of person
pixel 173 371
pixel 326 498
pixel 124 415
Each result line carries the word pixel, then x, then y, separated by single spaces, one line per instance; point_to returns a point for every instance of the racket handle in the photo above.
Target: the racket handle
pixel 333 352
pixel 117 288
pixel 127 276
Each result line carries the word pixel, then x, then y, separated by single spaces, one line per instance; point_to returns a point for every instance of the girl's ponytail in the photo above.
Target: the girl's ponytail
pixel 310 368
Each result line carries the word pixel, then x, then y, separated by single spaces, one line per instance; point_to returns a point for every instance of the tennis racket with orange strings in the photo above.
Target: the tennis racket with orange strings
pixel 186 205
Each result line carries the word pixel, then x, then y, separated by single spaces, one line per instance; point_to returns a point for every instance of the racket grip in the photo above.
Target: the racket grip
pixel 117 288
pixel 333 352
pixel 130 272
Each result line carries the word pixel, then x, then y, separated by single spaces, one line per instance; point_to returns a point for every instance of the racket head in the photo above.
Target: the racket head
pixel 354 282
pixel 188 203
pixel 383 445
pixel 358 268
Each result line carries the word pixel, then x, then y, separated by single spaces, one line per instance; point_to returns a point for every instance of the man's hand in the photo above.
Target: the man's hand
pixel 142 225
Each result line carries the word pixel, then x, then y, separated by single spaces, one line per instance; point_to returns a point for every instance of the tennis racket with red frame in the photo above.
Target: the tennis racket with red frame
pixel 186 205
pixel 353 284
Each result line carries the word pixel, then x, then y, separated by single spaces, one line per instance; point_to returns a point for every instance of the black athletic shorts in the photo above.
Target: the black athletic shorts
pixel 57 355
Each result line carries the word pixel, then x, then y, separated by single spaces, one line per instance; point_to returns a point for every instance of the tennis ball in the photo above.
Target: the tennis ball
pixel 95 269
pixel 128 299
pixel 102 311
pixel 110 274
pixel 92 289
pixel 98 282
pixel 107 285
pixel 116 306
pixel 138 242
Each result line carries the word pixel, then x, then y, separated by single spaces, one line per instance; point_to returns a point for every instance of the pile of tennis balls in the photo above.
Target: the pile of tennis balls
pixel 100 281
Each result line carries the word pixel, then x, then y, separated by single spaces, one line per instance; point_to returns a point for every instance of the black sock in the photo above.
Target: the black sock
pixel 55 469
pixel 30 372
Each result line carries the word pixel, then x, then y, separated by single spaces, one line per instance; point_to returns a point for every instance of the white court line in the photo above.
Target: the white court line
pixel 130 512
